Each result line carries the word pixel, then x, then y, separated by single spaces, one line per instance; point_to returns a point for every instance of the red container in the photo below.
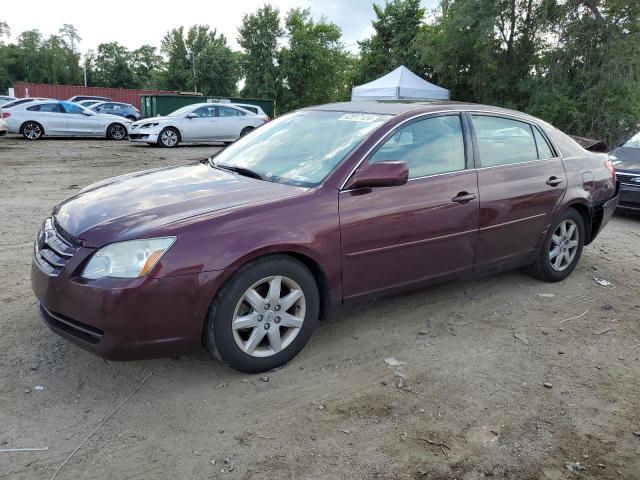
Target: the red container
pixel 64 92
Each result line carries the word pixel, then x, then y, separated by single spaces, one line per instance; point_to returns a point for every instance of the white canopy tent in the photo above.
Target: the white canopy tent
pixel 402 83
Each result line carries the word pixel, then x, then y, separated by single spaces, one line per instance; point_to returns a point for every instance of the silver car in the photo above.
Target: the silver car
pixel 54 118
pixel 200 122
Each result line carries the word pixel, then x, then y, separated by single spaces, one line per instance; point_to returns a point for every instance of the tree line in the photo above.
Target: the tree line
pixel 574 63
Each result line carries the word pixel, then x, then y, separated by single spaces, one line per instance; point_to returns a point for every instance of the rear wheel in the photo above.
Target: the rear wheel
pixel 116 131
pixel 245 130
pixel 32 131
pixel 168 138
pixel 562 248
pixel 264 315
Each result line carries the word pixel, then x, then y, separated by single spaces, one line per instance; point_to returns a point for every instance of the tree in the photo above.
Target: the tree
pixel 313 67
pixel 146 65
pixel 204 52
pixel 112 67
pixel 69 33
pixel 258 36
pixel 396 26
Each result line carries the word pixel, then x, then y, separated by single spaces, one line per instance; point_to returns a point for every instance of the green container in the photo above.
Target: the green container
pixel 163 104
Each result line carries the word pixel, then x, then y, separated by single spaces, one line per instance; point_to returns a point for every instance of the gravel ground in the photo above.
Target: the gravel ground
pixel 477 355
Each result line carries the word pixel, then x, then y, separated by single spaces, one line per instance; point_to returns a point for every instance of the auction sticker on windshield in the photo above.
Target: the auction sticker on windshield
pixel 359 117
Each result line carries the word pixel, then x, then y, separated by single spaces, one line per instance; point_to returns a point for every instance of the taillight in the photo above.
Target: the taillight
pixel 610 166
pixel 6 114
pixel 266 118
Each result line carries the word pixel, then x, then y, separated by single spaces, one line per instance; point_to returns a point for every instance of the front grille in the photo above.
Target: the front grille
pixel 629 178
pixel 72 327
pixel 138 135
pixel 54 247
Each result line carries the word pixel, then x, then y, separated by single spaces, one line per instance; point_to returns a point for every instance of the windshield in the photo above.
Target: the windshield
pixel 180 111
pixel 634 142
pixel 301 148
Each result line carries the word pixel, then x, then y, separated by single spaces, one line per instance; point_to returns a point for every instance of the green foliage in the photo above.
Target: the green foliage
pixel 258 36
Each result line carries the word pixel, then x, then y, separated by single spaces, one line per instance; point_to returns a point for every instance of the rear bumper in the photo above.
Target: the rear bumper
pixel 602 214
pixel 127 319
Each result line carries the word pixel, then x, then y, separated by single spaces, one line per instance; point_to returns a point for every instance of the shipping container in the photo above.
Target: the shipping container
pixel 163 104
pixel 64 92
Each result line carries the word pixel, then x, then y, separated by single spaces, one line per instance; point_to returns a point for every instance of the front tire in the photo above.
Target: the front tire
pixel 168 138
pixel 32 131
pixel 264 315
pixel 116 131
pixel 561 249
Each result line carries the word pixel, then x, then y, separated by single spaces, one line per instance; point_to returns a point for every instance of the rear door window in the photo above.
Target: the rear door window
pixel 544 150
pixel 503 141
pixel 47 107
pixel 430 146
pixel 227 112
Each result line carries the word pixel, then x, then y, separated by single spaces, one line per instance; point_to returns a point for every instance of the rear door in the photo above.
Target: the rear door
pixel 231 123
pixel 202 127
pixel 521 181
pixel 425 229
pixel 51 116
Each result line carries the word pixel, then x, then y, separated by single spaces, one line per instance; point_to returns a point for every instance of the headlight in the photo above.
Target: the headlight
pixel 130 259
pixel 149 125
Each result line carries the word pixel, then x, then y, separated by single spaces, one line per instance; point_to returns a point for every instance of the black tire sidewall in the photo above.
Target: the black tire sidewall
pixel 110 135
pixel 544 264
pixel 245 130
pixel 160 144
pixel 32 123
pixel 219 335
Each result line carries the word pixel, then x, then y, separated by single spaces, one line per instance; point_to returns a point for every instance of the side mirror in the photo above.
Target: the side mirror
pixel 380 174
pixel 191 115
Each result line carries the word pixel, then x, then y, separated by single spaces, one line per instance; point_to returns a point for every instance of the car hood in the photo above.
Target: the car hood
pixel 629 158
pixel 144 121
pixel 132 206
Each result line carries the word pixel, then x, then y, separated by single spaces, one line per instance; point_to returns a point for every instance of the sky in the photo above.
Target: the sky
pixel 135 23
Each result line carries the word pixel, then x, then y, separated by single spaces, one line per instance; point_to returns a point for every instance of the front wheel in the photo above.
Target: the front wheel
pixel 116 131
pixel 168 138
pixel 264 315
pixel 561 249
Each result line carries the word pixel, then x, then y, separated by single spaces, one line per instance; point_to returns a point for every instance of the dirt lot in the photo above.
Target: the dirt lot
pixel 477 354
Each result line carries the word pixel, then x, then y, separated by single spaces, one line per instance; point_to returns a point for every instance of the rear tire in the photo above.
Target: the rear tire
pixel 245 130
pixel 257 303
pixel 32 131
pixel 116 131
pixel 168 138
pixel 561 249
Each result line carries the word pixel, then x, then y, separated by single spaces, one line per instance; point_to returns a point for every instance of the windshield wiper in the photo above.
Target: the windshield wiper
pixel 247 172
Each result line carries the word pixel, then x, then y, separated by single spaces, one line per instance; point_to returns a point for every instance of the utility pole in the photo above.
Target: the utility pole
pixel 192 58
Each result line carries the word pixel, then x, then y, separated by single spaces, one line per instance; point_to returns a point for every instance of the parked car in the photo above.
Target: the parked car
pixel 80 98
pixel 88 103
pixel 245 251
pixel 4 128
pixel 117 108
pixel 253 109
pixel 4 99
pixel 20 101
pixel 200 122
pixel 54 118
pixel 626 158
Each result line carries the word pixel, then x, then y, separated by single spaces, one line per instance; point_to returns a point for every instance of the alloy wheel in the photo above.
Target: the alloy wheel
pixel 268 316
pixel 169 138
pixel 32 131
pixel 118 132
pixel 564 245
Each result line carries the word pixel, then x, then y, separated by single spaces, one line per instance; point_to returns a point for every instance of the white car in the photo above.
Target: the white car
pixel 54 118
pixel 200 122
pixel 253 109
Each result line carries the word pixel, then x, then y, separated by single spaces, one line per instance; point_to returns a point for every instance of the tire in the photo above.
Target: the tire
pixel 116 131
pixel 32 131
pixel 169 138
pixel 245 130
pixel 237 346
pixel 560 252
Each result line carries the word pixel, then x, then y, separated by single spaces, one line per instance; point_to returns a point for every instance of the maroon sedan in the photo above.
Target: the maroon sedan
pixel 245 251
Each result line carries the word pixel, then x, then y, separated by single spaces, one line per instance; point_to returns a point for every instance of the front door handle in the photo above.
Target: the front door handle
pixel 463 197
pixel 554 181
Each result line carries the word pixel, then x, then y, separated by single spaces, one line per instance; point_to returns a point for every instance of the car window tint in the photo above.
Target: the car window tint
pixel 251 109
pixel 503 141
pixel 544 150
pixel 428 147
pixel 70 107
pixel 205 112
pixel 47 107
pixel 227 112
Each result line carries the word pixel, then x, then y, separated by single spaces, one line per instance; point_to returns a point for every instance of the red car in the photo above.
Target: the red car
pixel 245 251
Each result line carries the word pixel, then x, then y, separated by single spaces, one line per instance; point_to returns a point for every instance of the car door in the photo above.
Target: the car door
pixel 51 116
pixel 80 122
pixel 521 181
pixel 425 229
pixel 230 123
pixel 202 125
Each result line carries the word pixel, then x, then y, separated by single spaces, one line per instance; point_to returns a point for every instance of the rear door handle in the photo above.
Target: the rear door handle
pixel 463 197
pixel 554 181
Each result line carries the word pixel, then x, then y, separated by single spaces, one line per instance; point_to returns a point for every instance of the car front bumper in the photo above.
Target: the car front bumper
pixel 125 319
pixel 144 135
pixel 629 191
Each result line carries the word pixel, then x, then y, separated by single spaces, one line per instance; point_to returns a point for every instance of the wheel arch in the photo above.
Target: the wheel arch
pixel 31 121
pixel 586 213
pixel 173 127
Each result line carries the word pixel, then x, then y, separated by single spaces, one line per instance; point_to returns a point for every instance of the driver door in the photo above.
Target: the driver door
pixel 201 127
pixel 426 229
pixel 80 123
